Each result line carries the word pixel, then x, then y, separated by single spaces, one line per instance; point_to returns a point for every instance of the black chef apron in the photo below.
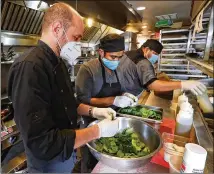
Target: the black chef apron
pixel 88 162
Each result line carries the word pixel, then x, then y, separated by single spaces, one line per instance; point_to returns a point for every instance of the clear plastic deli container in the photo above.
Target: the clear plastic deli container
pixel 173 145
pixel 175 163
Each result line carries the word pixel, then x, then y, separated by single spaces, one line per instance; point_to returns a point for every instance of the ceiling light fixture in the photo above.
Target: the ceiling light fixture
pixel 140 8
pixel 90 22
pixel 144 26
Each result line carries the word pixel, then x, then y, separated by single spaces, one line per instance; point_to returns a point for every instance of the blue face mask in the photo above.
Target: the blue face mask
pixel 153 59
pixel 111 64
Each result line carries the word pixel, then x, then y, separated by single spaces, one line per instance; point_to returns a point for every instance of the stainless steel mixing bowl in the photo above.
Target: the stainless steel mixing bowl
pixel 149 136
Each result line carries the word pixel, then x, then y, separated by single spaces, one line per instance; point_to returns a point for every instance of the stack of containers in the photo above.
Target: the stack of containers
pixel 173 145
pixel 182 156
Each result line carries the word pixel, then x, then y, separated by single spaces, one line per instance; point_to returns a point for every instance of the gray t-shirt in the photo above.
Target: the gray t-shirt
pixel 136 72
pixel 89 80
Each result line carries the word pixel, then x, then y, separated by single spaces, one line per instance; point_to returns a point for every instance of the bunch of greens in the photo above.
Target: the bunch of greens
pixel 124 145
pixel 141 112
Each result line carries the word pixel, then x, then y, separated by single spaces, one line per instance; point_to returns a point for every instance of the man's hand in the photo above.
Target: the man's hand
pixel 196 87
pixel 102 113
pixel 123 101
pixel 108 128
pixel 131 96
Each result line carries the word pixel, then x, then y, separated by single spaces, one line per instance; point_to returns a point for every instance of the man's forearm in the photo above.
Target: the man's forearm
pixel 102 102
pixel 159 85
pixel 83 109
pixel 86 135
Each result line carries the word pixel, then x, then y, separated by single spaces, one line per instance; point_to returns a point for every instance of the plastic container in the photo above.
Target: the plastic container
pixel 204 103
pixel 175 163
pixel 194 159
pixel 177 142
pixel 184 122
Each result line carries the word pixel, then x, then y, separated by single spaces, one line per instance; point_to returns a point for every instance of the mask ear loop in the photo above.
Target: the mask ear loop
pixel 65 34
pixel 58 40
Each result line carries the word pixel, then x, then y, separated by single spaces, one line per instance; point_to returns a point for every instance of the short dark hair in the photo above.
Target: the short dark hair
pixel 153 45
pixel 58 12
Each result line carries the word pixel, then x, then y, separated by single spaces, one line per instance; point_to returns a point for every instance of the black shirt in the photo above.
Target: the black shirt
pixel 45 109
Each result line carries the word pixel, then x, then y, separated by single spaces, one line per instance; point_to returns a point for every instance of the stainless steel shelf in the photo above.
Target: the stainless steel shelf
pixel 181 70
pixel 179 65
pixel 174 54
pixel 174 31
pixel 186 75
pixel 200 37
pixel 173 44
pixel 177 60
pixel 174 49
pixel 171 39
pixel 197 43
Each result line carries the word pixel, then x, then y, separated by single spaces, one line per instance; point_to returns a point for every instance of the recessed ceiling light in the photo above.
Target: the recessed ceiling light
pixel 144 26
pixel 141 8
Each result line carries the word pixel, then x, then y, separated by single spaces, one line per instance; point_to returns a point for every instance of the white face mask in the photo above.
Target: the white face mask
pixel 70 51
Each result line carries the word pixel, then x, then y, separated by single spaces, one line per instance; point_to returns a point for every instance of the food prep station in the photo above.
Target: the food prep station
pixel 200 134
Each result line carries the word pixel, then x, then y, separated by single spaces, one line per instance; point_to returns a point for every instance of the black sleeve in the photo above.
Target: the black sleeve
pixel 84 85
pixel 146 73
pixel 30 92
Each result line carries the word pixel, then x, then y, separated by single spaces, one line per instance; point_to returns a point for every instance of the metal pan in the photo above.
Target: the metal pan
pixel 149 120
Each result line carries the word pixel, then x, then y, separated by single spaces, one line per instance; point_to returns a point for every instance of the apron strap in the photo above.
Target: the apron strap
pixel 104 74
pixel 116 76
pixel 103 71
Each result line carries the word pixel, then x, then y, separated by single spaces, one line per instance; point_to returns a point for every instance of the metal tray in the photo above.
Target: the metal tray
pixel 149 120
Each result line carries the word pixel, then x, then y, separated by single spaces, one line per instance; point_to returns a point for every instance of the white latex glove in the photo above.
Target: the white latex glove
pixel 108 128
pixel 131 96
pixel 102 113
pixel 123 101
pixel 196 87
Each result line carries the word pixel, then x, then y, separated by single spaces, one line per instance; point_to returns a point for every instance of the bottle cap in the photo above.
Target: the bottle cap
pixel 182 98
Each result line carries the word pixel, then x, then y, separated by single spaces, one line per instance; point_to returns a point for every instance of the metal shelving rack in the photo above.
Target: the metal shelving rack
pixel 204 64
pixel 172 59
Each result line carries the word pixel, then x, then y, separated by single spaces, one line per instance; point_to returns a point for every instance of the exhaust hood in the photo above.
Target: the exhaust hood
pixel 21 24
pixel 17 18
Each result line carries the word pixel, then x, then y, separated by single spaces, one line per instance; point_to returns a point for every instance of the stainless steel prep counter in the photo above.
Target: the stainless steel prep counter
pixel 201 133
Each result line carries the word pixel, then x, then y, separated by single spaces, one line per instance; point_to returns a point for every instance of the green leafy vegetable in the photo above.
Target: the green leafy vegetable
pixel 124 145
pixel 141 112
